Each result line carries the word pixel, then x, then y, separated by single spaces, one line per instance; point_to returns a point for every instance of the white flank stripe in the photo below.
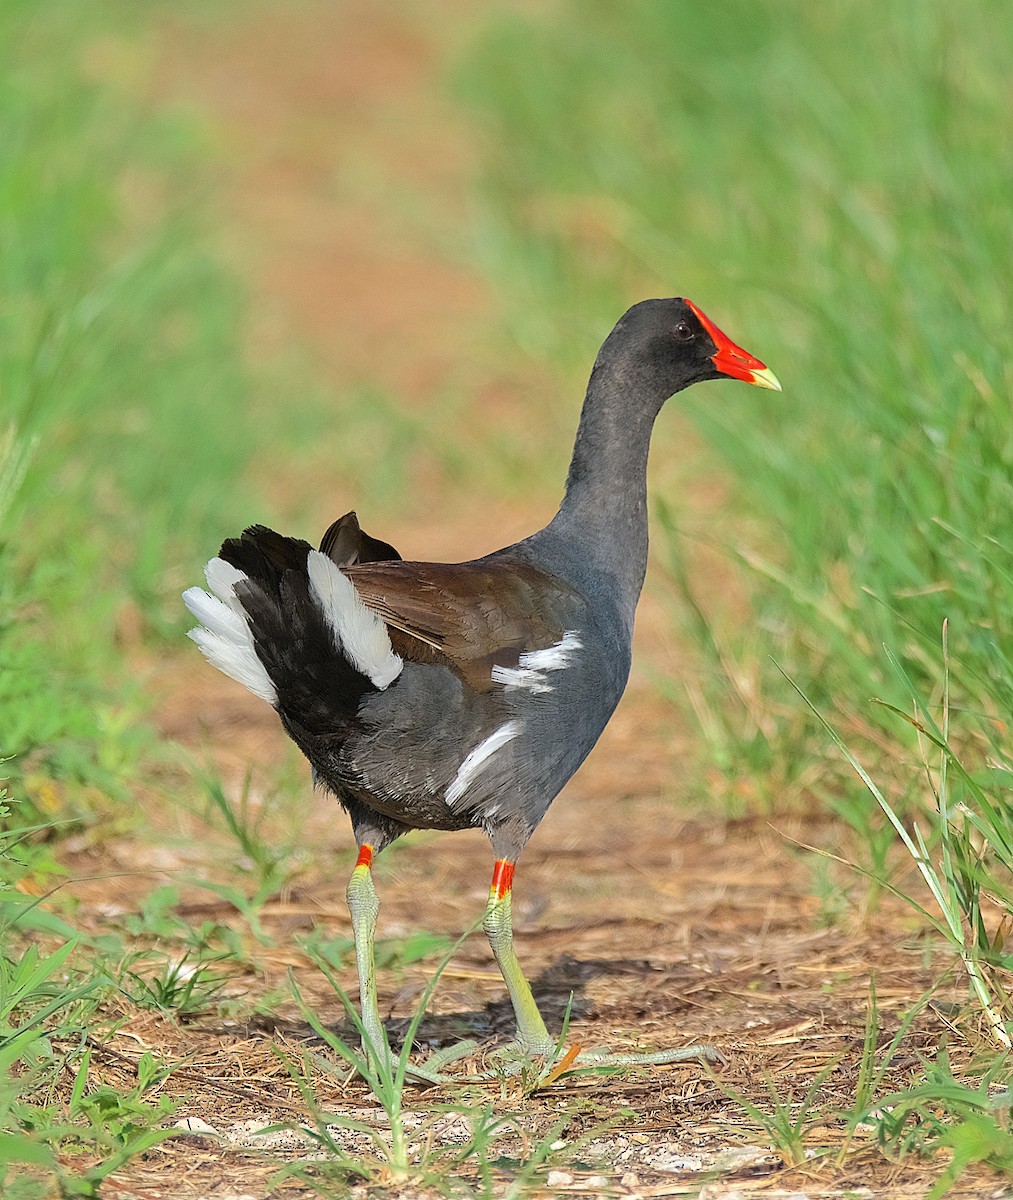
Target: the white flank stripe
pixel 358 631
pixel 477 759
pixel 223 635
pixel 531 672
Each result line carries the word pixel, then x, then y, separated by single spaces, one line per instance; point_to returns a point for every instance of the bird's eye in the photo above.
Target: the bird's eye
pixel 683 332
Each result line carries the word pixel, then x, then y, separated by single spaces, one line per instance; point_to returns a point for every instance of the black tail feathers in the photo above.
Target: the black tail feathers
pixel 318 688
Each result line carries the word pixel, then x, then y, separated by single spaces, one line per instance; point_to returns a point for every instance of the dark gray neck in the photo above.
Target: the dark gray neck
pixel 603 518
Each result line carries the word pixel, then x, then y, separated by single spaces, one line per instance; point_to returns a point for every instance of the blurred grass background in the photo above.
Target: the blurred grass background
pixel 831 186
pixel 123 394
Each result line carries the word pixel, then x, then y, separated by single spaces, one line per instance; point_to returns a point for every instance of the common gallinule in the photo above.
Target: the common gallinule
pixel 461 695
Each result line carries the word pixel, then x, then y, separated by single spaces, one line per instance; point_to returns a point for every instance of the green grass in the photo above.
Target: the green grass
pixel 406 1145
pixel 964 859
pixel 966 1120
pixel 117 329
pixel 49 1016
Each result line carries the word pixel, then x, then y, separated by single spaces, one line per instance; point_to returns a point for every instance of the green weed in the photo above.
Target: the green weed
pixel 934 1112
pixel 966 875
pixel 262 868
pixel 944 1113
pixel 246 820
pixel 46 1012
pixel 115 1124
pixel 180 986
pixel 873 1073
pixel 787 1121
pixel 417 1145
pixel 393 1156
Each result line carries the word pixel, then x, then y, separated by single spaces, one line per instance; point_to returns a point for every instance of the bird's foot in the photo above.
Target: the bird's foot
pixel 536 1063
pixel 545 1062
pixel 701 1051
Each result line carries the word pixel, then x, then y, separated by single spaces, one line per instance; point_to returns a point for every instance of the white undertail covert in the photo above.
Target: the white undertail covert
pixel 223 635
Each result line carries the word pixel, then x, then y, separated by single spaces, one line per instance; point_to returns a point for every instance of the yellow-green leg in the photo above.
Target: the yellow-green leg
pixel 532 1036
pixel 364 907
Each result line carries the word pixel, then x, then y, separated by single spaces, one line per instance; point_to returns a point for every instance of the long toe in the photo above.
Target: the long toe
pixel 652 1058
pixel 551 1061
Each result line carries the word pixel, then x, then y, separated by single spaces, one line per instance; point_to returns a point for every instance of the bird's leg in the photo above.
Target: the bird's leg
pixel 364 907
pixel 532 1035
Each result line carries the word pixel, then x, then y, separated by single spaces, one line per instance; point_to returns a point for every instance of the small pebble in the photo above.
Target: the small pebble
pixel 194 1125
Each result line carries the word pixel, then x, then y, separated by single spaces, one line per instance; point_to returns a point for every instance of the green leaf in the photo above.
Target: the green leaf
pixel 16 1147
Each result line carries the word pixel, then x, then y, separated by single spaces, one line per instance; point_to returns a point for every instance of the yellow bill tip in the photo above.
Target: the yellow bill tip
pixel 765 379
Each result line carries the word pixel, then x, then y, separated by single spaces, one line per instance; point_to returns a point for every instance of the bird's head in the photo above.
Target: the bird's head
pixel 667 345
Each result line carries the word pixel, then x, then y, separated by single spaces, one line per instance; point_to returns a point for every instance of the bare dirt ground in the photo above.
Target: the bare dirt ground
pixel 666 928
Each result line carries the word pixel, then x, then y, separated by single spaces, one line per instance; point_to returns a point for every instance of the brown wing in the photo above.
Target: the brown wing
pixel 471 616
